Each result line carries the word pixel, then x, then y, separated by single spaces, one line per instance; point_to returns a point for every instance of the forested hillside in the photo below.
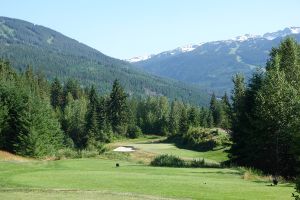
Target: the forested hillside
pixel 56 55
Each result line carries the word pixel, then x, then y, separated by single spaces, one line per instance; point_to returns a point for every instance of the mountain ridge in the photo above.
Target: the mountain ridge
pixel 190 47
pixel 56 55
pixel 211 65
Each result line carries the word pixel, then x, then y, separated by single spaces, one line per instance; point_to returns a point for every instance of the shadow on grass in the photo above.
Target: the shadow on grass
pixel 279 184
pixel 218 172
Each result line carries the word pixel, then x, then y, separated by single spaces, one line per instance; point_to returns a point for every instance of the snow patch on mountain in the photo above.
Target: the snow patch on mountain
pixel 246 37
pixel 243 38
pixel 139 58
pixel 183 49
pixel 187 48
pixel 295 30
pixel 282 33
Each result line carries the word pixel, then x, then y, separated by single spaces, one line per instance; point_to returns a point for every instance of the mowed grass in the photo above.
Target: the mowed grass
pixel 154 146
pixel 100 179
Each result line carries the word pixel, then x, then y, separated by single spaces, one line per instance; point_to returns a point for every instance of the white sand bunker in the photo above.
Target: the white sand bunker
pixel 124 149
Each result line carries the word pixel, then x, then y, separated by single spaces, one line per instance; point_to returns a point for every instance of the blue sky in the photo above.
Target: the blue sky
pixel 127 28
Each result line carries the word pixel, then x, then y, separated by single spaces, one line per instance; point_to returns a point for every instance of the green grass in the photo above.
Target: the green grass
pixel 100 179
pixel 152 145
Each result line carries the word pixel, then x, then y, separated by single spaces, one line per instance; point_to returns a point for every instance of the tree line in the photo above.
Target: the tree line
pixel 266 114
pixel 38 117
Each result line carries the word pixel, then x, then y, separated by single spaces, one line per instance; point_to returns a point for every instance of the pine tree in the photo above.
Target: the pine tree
pixel 118 110
pixel 216 110
pixel 203 117
pixel 104 124
pixel 56 94
pixel 92 127
pixel 266 125
pixel 74 121
pixel 174 118
pixel 238 118
pixel 277 107
pixel 227 113
pixel 209 120
pixel 183 122
pixel 40 134
pixel 193 117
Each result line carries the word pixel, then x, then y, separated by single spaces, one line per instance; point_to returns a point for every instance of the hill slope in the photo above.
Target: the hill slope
pixel 212 64
pixel 54 54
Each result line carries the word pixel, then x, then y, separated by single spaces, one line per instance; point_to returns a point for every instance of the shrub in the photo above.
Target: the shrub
pixel 296 195
pixel 197 163
pixel 96 146
pixel 200 138
pixel 201 163
pixel 204 139
pixel 66 153
pixel 134 132
pixel 168 161
pixel 88 154
pixel 174 161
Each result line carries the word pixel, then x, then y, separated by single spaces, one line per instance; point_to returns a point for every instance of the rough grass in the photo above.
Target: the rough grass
pixel 11 157
pixel 92 178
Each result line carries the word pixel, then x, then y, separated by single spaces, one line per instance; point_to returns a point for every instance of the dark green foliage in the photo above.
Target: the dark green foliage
pixel 209 120
pixel 92 127
pixel 296 195
pixel 29 126
pixel 203 139
pixel 56 94
pixel 118 109
pixel 183 122
pixel 74 121
pixel 221 112
pixel 197 163
pixel 193 117
pixel 200 163
pixel 153 115
pixel 227 113
pixel 41 134
pixel 38 118
pixel 174 118
pixel 167 161
pixel 215 110
pixel 265 126
pixel 134 132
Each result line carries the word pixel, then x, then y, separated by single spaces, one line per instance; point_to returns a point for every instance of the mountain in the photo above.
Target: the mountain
pixel 211 65
pixel 56 55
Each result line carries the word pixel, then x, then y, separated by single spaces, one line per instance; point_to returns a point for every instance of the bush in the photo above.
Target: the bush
pixel 200 138
pixel 88 154
pixel 167 161
pixel 93 145
pixel 174 161
pixel 296 195
pixel 134 132
pixel 66 153
pixel 197 163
